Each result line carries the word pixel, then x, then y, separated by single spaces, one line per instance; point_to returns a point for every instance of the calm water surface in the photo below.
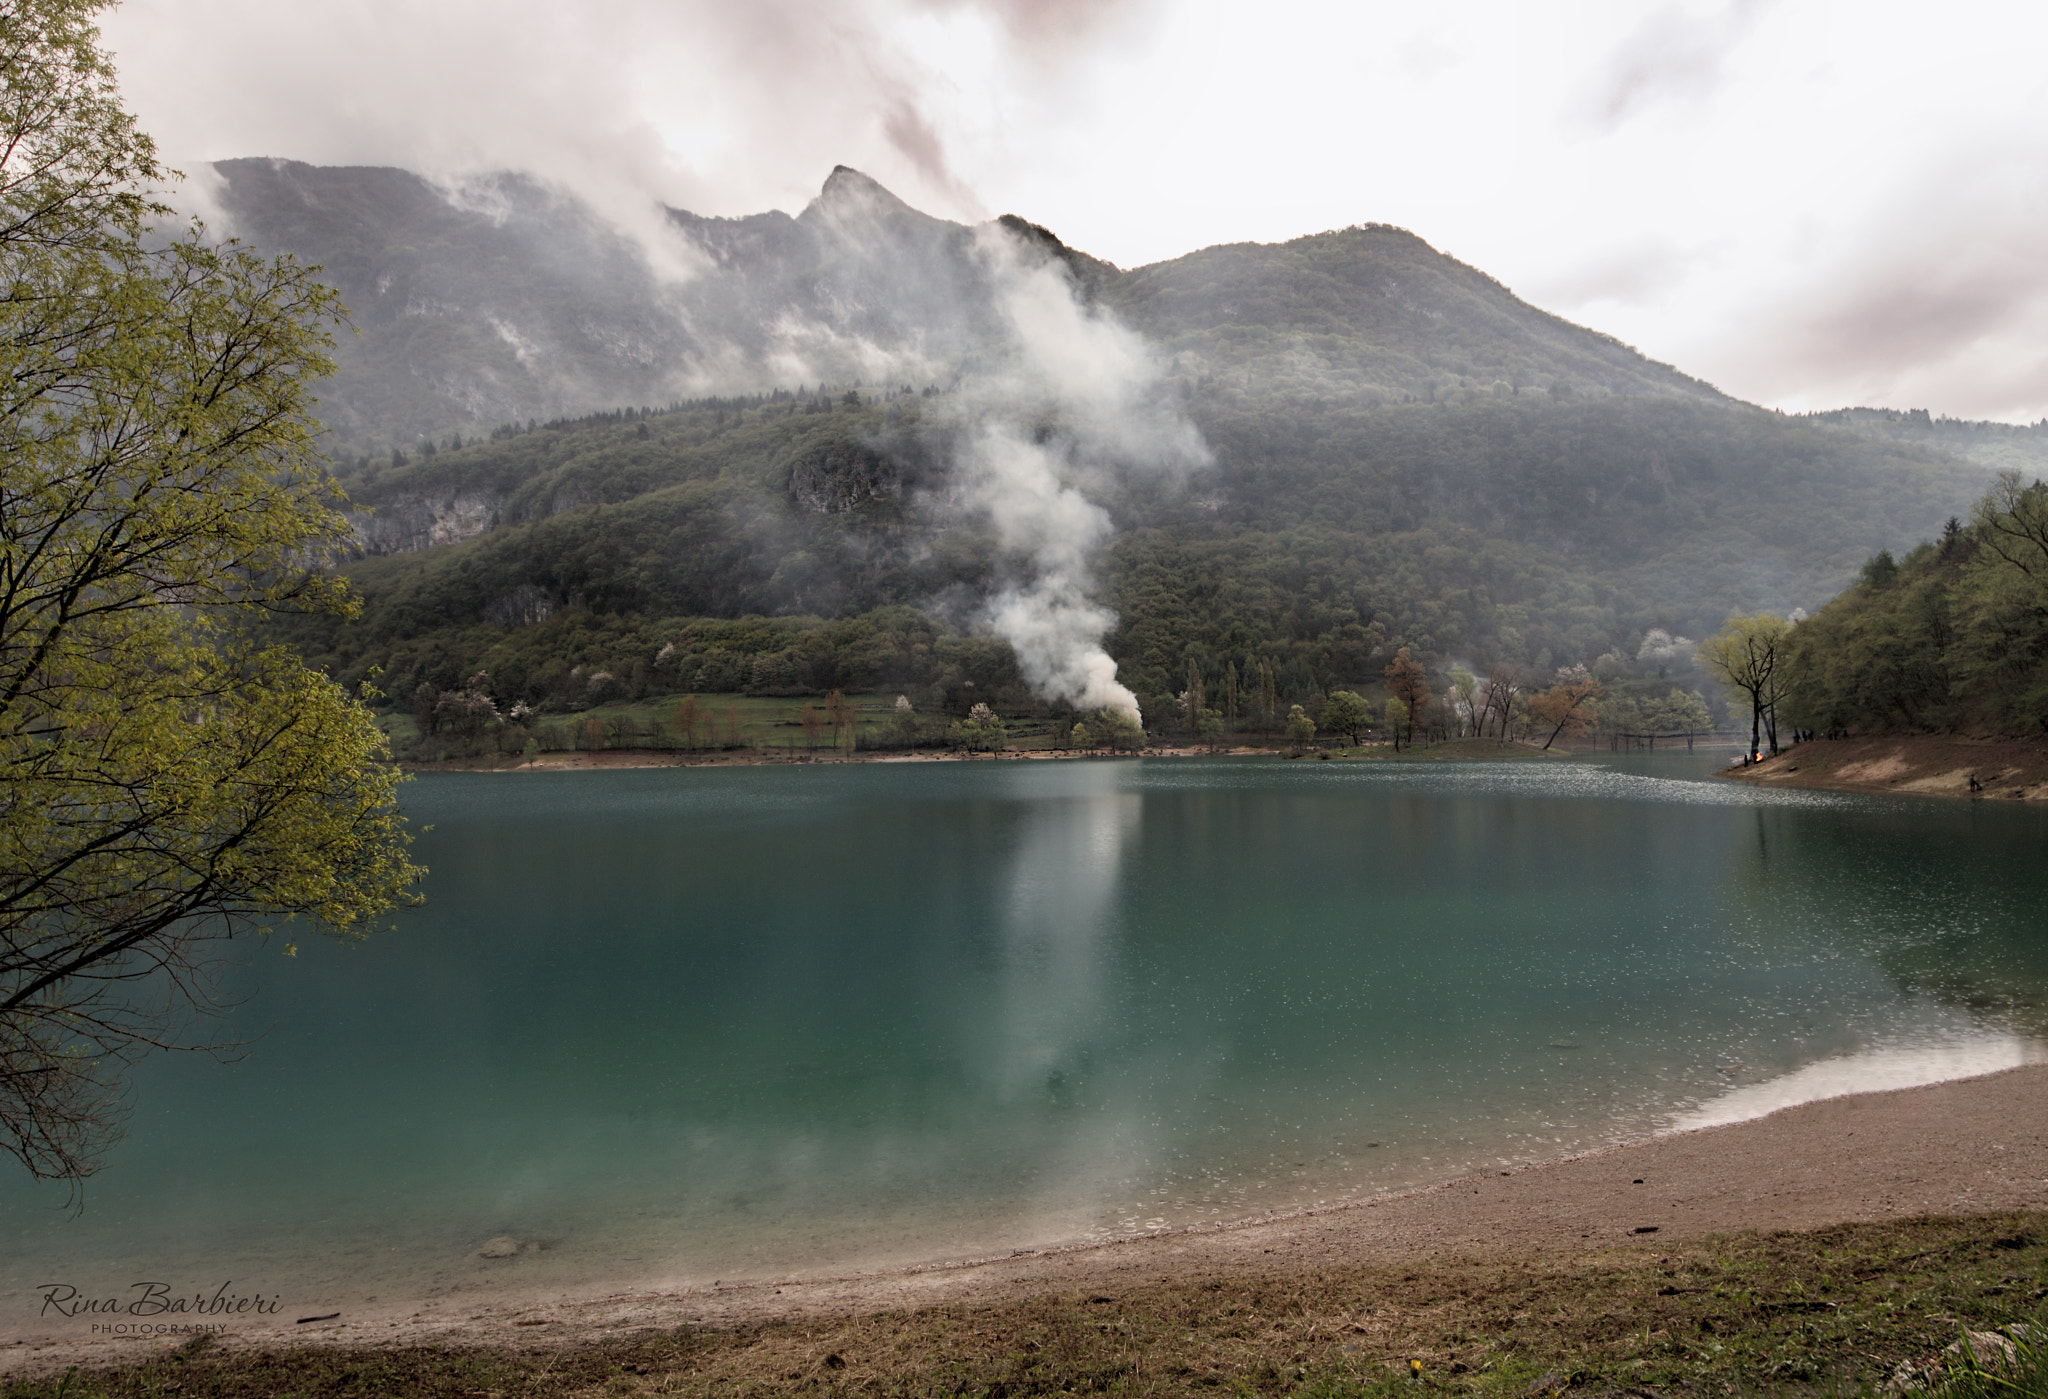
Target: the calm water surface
pixel 683 1025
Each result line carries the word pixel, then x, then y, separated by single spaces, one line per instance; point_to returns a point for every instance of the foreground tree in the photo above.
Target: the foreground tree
pixel 1192 700
pixel 1461 700
pixel 1567 706
pixel 1408 682
pixel 166 779
pixel 1681 713
pixel 2012 522
pixel 1497 701
pixel 982 731
pixel 1301 730
pixel 1747 656
pixel 1113 729
pixel 1347 714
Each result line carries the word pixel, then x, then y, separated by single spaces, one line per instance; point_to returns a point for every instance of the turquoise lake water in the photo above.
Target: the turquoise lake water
pixel 671 1026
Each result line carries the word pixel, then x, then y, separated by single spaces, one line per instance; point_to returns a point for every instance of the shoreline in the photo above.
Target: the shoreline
pixel 1972 1146
pixel 1920 765
pixel 633 759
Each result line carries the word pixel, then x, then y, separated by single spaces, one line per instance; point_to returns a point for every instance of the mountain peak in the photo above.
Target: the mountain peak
pixel 1091 273
pixel 848 189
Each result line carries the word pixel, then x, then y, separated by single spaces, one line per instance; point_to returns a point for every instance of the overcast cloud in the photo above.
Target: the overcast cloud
pixel 1808 203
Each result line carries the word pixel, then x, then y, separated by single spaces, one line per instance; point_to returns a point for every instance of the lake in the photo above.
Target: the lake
pixel 673 1026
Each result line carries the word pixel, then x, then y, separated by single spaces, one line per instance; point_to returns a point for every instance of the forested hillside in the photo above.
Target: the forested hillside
pixel 1523 529
pixel 1370 315
pixel 1398 452
pixel 1951 637
pixel 1999 446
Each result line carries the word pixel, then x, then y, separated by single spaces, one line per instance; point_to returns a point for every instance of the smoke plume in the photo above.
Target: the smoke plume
pixel 1081 407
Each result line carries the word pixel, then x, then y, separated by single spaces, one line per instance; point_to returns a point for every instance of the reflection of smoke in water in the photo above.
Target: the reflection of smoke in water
pixel 1062 885
pixel 1080 1098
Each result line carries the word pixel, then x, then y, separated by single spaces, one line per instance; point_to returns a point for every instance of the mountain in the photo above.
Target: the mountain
pixel 2021 447
pixel 501 301
pixel 1293 457
pixel 1373 314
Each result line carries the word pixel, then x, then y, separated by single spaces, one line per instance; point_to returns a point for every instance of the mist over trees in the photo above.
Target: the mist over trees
pixel 2021 447
pixel 1403 454
pixel 1532 530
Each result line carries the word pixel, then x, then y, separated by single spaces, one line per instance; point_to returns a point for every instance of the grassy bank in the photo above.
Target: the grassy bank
pixel 1831 1311
pixel 704 724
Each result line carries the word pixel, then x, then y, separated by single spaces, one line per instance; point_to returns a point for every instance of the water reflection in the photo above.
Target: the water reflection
pixel 1057 918
pixel 1946 898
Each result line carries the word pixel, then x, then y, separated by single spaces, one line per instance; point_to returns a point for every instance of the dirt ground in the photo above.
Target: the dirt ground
pixel 1920 765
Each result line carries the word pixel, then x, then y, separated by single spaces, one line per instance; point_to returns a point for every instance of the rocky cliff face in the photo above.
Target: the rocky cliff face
pixel 494 302
pixel 420 521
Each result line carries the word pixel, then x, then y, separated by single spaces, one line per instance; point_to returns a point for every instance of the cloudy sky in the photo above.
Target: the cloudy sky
pixel 1808 202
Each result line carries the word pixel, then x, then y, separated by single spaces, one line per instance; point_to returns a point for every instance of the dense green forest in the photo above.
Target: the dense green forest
pixel 1953 637
pixel 800 542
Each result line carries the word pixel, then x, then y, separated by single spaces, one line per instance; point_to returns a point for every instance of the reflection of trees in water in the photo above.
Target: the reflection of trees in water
pixel 1990 997
pixel 1946 903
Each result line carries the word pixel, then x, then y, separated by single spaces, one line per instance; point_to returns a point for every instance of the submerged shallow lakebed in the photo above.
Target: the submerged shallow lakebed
pixel 671 1026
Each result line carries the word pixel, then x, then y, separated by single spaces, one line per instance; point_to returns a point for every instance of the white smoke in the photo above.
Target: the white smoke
pixel 1048 618
pixel 1081 407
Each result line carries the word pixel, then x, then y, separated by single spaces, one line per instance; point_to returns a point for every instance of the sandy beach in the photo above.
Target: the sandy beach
pixel 1972 1146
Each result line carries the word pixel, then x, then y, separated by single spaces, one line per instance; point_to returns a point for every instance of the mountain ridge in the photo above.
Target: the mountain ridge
pixel 502 301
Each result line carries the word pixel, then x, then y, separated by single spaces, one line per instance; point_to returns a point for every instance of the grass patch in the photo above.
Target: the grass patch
pixel 709 723
pixel 720 721
pixel 1831 1311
